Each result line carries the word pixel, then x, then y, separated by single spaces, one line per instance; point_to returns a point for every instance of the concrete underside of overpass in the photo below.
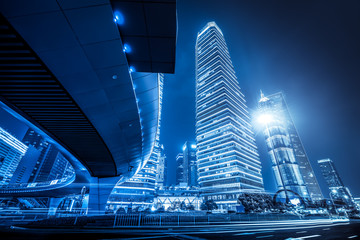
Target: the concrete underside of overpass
pixel 69 77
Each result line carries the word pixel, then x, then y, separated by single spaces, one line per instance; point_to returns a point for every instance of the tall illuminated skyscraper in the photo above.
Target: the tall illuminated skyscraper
pixel 11 152
pixel 290 163
pixel 190 166
pixel 180 169
pixel 139 191
pixel 227 157
pixel 337 189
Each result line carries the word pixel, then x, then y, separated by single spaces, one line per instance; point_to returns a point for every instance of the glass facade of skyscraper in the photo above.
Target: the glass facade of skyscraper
pixel 286 149
pixel 180 168
pixel 227 156
pixel 11 152
pixel 190 166
pixel 161 172
pixel 139 191
pixel 337 189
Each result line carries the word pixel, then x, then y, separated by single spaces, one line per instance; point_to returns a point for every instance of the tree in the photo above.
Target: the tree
pixel 209 205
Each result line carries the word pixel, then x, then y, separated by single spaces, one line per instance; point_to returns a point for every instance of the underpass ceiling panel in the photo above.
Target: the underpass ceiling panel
pixel 66 62
pixel 105 54
pixel 140 50
pixel 88 79
pixel 69 4
pixel 114 76
pixel 26 7
pixel 160 25
pixel 58 32
pixel 97 28
pixel 150 28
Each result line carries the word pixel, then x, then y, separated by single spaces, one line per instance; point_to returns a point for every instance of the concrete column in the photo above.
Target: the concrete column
pixel 100 189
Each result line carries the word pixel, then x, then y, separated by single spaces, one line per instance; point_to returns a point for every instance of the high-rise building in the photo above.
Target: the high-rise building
pixel 190 166
pixel 11 152
pixel 290 163
pixel 227 156
pixel 337 189
pixel 26 166
pixel 161 172
pixel 139 191
pixel 43 161
pixel 180 169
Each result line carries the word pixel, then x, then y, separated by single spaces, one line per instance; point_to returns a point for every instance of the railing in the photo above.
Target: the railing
pixel 37 186
pixel 167 220
pixel 182 220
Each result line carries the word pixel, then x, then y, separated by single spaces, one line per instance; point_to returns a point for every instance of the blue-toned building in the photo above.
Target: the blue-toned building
pixel 338 191
pixel 139 190
pixel 11 152
pixel 289 161
pixel 190 165
pixel 180 169
pixel 227 155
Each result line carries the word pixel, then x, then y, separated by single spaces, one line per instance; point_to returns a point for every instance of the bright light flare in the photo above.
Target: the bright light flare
pixel 265 118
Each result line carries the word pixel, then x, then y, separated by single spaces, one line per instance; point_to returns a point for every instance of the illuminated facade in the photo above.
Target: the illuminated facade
pixel 190 166
pixel 42 162
pixel 161 172
pixel 180 169
pixel 227 156
pixel 11 152
pixel 139 191
pixel 290 164
pixel 337 189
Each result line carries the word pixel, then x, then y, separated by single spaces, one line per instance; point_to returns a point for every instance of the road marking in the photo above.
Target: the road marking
pixel 265 236
pixel 251 233
pixel 354 236
pixel 144 237
pixel 326 229
pixel 302 232
pixel 311 236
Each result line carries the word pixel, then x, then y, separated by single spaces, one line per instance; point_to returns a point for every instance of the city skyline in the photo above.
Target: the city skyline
pixel 179 119
pixel 292 100
pixel 264 57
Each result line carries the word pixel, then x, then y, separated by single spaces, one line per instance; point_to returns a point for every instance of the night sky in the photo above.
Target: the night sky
pixel 309 50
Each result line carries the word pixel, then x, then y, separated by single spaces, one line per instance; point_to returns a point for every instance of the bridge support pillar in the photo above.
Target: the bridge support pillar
pixel 53 205
pixel 100 189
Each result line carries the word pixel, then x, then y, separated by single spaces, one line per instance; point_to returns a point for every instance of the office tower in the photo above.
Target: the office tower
pixel 180 168
pixel 139 191
pixel 286 149
pixel 43 161
pixel 190 166
pixel 161 168
pixel 227 156
pixel 11 152
pixel 337 189
pixel 26 166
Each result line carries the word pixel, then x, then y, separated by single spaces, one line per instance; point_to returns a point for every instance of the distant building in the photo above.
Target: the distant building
pixel 190 166
pixel 161 173
pixel 286 149
pixel 227 157
pixel 26 166
pixel 180 169
pixel 337 189
pixel 11 152
pixel 178 198
pixel 43 161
